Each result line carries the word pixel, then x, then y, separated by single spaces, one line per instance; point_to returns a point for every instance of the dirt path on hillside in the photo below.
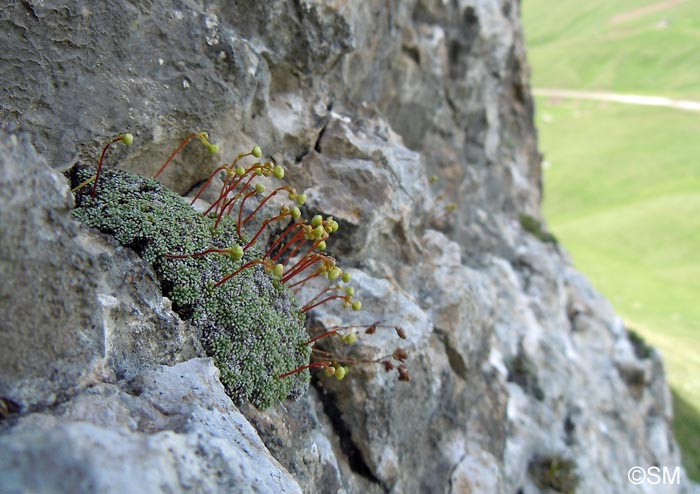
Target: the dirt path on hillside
pixel 630 99
pixel 642 11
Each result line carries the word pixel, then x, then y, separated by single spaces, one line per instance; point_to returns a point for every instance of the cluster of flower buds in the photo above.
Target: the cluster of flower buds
pixel 329 367
pixel 239 185
pixel 299 249
pixel 297 255
pixel 332 363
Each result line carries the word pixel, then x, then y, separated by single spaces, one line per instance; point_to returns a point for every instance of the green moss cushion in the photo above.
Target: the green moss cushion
pixel 251 325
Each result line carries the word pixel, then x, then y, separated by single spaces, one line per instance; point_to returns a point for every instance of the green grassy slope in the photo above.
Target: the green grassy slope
pixel 622 190
pixel 622 193
pixel 687 428
pixel 580 45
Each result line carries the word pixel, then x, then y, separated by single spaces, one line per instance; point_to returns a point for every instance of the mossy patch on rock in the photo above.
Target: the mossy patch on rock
pixel 553 473
pixel 252 325
pixel 534 226
pixel 642 349
pixel 523 372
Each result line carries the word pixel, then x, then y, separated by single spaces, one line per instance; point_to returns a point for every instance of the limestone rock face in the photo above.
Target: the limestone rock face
pixel 411 122
pixel 77 309
pixel 170 429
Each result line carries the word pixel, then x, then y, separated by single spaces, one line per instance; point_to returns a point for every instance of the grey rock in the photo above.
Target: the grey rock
pixel 172 429
pixel 48 351
pixel 76 309
pixel 394 426
pixel 361 173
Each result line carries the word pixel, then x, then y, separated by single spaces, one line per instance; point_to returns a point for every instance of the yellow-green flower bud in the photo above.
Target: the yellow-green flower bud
pixel 214 148
pixel 318 232
pixel 296 213
pixel 316 220
pixel 357 305
pixel 301 199
pixel 346 277
pixel 127 138
pixel 257 152
pixel 334 274
pixel 350 338
pixel 340 373
pixel 350 291
pixel 277 270
pixel 259 188
pixel 329 371
pixel 235 252
pixel 334 226
pixel 240 171
pixel 321 245
pixel 278 172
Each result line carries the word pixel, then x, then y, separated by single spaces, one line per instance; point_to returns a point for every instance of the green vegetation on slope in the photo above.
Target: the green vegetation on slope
pixel 688 432
pixel 622 193
pixel 620 46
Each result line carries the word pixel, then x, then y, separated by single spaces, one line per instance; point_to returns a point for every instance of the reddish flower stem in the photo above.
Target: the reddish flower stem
pixel 239 225
pixel 197 254
pixel 247 265
pixel 224 202
pixel 177 150
pixel 308 252
pixel 207 183
pixel 230 203
pixel 312 365
pixel 262 228
pixel 321 336
pixel 99 164
pixel 352 326
pixel 227 189
pixel 346 360
pixel 299 236
pixel 282 237
pixel 319 294
pixel 221 210
pixel 262 203
pixel 310 277
pixel 299 267
pixel 308 307
pixel 298 248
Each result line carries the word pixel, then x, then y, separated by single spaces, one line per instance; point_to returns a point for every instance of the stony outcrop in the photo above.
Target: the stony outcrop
pixel 170 429
pixel 523 379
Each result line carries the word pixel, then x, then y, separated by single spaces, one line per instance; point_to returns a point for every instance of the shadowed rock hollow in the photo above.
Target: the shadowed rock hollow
pixel 523 379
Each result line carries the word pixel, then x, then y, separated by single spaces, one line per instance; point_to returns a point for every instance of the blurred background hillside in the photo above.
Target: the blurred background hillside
pixel 622 181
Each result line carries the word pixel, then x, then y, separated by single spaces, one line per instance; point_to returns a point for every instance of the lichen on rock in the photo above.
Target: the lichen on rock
pixel 252 325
